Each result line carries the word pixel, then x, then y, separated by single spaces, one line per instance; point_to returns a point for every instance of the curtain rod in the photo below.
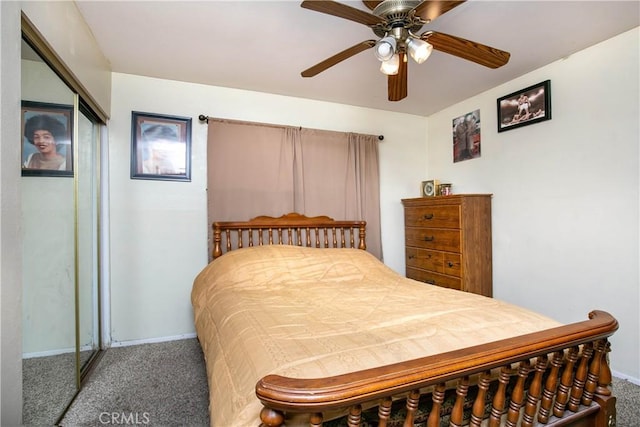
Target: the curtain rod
pixel 205 119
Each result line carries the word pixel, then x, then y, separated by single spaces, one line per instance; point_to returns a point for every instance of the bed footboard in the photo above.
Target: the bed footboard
pixel 289 229
pixel 559 376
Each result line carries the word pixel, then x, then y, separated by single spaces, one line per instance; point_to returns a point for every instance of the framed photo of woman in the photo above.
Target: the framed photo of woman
pixel 47 142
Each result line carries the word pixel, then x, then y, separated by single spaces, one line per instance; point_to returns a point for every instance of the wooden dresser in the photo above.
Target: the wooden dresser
pixel 448 241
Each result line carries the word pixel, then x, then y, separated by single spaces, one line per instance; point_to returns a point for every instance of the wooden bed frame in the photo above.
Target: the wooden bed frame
pixel 556 377
pixel 289 229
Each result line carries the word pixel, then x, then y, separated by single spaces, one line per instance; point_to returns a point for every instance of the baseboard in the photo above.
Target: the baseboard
pixel 55 352
pixel 115 343
pixel 622 376
pixel 48 353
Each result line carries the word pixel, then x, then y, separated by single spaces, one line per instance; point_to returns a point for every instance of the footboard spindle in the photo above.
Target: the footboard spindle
pixel 535 391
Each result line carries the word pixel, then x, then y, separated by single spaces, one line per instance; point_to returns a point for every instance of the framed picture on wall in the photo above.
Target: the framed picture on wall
pixel 466 136
pixel 47 139
pixel 524 107
pixel 160 147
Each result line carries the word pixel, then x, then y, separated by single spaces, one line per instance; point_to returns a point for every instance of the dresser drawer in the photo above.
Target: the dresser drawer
pixel 452 264
pixel 433 238
pixel 433 216
pixel 423 258
pixel 434 278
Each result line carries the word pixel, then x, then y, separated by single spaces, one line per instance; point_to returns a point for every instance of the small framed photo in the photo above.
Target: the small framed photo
pixel 525 107
pixel 47 142
pixel 160 147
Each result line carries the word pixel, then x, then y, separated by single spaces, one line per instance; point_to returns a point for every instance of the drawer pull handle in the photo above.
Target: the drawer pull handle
pixel 429 238
pixel 450 264
pixel 411 256
pixel 428 216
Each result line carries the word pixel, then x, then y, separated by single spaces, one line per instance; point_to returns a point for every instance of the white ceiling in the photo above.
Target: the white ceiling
pixel 264 45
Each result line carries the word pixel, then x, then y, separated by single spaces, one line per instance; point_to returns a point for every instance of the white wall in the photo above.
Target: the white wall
pixel 159 229
pixel 10 235
pixel 565 191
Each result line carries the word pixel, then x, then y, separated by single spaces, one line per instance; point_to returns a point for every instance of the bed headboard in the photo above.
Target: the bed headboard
pixel 289 229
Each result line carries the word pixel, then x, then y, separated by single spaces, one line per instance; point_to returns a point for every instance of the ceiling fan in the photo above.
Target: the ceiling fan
pixel 396 24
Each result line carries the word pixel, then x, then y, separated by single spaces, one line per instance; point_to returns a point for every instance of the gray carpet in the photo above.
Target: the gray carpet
pixel 627 402
pixel 48 385
pixel 165 385
pixel 161 384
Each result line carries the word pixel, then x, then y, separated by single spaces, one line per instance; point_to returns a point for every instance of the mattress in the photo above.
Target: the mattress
pixel 307 313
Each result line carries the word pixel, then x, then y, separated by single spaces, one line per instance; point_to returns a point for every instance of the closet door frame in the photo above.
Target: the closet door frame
pixel 84 103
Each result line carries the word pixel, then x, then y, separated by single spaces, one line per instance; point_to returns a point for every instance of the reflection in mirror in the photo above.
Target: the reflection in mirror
pixel 87 233
pixel 50 374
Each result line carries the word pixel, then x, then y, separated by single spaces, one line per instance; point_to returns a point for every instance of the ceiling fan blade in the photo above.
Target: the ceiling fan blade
pixel 338 57
pixel 371 4
pixel 398 83
pixel 466 49
pixel 342 11
pixel 429 10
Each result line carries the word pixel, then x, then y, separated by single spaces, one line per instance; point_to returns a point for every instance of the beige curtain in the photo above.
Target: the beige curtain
pixel 260 169
pixel 340 179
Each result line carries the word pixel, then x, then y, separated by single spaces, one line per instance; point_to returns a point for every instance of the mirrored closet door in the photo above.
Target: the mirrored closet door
pixel 60 219
pixel 87 237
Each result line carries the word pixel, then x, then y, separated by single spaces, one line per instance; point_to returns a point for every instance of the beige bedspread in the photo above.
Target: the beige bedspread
pixel 306 312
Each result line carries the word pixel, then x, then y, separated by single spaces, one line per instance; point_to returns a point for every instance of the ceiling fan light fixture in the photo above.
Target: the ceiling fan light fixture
pixel 391 66
pixel 419 49
pixel 385 48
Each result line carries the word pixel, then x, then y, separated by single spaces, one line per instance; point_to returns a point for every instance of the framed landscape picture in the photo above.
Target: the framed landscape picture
pixel 524 107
